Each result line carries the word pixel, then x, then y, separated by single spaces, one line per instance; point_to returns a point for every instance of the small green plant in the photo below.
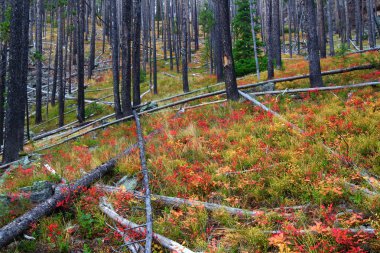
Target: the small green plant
pixel 86 248
pixel 86 222
pixel 92 109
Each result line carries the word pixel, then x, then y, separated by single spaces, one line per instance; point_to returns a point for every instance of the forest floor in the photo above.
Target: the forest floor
pixel 305 197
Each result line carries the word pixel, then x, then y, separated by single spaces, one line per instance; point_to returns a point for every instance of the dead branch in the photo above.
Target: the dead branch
pixel 144 169
pixel 178 202
pixel 164 241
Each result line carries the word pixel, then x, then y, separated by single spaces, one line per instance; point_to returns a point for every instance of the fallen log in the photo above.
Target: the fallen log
pixel 178 202
pixel 164 241
pixel 62 193
pixel 144 170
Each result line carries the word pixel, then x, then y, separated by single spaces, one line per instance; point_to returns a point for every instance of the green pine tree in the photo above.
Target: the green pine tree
pixel 243 47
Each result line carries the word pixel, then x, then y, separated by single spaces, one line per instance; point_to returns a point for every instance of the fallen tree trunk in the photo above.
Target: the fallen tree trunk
pixel 62 193
pixel 144 170
pixel 164 241
pixel 178 202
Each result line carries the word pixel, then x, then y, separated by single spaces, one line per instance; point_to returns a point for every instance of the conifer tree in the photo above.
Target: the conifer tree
pixel 243 47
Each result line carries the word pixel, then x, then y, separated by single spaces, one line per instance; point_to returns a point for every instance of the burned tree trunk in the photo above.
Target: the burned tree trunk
pixel 185 80
pixel 115 59
pixel 270 68
pixel 80 60
pixel 91 64
pixel 312 45
pixel 39 54
pixel 330 27
pixel 16 97
pixel 228 61
pixel 126 57
pixel 136 52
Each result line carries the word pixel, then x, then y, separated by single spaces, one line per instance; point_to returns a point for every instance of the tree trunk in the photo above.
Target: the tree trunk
pixel 126 57
pixel 61 94
pixel 40 7
pixel 330 27
pixel 321 28
pixel 254 38
pixel 270 53
pixel 80 61
pixel 3 74
pixel 91 64
pixel 312 45
pixel 218 44
pixel 276 35
pixel 136 52
pixel 14 120
pixel 155 91
pixel 228 61
pixel 185 80
pixel 115 59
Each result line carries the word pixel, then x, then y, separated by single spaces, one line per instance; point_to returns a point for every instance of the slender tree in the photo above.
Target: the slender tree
pixel 269 32
pixel 321 28
pixel 312 45
pixel 115 59
pixel 228 61
pixel 80 59
pixel 38 56
pixel 91 64
pixel 330 26
pixel 126 57
pixel 136 52
pixel 184 49
pixel 276 35
pixel 61 84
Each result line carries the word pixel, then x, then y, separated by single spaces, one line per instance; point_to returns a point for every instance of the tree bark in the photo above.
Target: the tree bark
pixel 184 52
pixel 312 45
pixel 276 35
pixel 330 27
pixel 115 59
pixel 126 57
pixel 269 32
pixel 91 64
pixel 40 7
pixel 16 102
pixel 61 85
pixel 228 61
pixel 80 60
pixel 136 52
pixel 321 28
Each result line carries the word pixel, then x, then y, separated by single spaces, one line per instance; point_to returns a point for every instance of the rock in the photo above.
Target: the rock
pixel 39 191
pixel 128 183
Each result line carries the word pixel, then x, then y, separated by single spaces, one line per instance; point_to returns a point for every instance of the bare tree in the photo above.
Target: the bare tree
pixel 312 45
pixel 228 61
pixel 136 52
pixel 184 48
